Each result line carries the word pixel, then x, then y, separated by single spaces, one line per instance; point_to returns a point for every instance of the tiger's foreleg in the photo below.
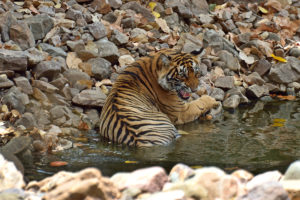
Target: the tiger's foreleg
pixel 194 109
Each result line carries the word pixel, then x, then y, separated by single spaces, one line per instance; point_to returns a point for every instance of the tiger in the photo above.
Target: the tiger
pixel 151 96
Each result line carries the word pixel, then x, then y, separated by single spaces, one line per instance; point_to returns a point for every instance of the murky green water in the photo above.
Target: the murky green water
pixel 258 137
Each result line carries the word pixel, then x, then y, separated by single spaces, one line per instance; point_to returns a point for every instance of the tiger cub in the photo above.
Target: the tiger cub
pixel 150 96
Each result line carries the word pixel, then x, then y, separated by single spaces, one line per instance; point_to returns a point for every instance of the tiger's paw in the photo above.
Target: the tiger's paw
pixel 209 102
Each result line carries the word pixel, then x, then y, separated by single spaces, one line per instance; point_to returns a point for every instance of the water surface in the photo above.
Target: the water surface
pixel 258 137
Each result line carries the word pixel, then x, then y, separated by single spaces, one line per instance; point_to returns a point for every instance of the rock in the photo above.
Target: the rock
pixel 15 99
pixel 98 30
pixel 48 69
pixel 261 179
pixel 231 62
pixel 226 82
pixel 171 195
pixel 108 50
pixel 232 102
pixel 12 60
pixel 53 51
pixel 85 184
pixel 74 75
pixel 60 82
pixel 254 78
pixel 139 9
pixel 293 188
pixel 206 19
pixel 194 7
pixel 243 175
pixel 44 86
pixel 6 20
pixel 149 179
pixel 180 172
pixel 34 56
pixel 65 23
pixel 115 3
pixel 39 95
pixel 101 68
pixel 5 82
pixel 218 94
pixel 293 171
pixel 269 190
pixel 101 6
pixel 94 98
pixel 139 35
pixel 294 52
pixel 257 91
pixel 119 38
pixel 76 45
pixel 126 60
pixel 39 25
pixel 21 35
pixel 10 176
pixel 74 14
pixel 27 120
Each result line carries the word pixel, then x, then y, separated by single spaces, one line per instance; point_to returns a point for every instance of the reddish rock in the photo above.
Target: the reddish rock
pixel 101 6
pixel 147 180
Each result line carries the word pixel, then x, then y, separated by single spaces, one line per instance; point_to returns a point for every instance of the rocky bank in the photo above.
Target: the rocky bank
pixel 59 58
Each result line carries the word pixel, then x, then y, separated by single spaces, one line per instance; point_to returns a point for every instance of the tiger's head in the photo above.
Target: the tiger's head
pixel 179 72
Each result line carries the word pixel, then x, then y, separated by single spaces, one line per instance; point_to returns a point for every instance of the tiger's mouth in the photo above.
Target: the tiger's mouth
pixel 183 94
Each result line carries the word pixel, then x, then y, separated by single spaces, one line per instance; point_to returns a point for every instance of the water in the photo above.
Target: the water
pixel 259 137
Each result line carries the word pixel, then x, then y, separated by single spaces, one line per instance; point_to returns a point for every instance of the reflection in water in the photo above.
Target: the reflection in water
pixel 260 137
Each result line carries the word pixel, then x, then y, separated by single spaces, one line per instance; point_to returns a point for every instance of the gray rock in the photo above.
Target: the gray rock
pixel 229 25
pixel 273 36
pixel 44 86
pixel 5 82
pixel 225 82
pixel 53 51
pixel 270 190
pixel 34 56
pixel 262 67
pixel 191 43
pixel 218 94
pixel 254 78
pixel 39 25
pixel 93 116
pixel 60 82
pixel 231 62
pixel 48 69
pixel 101 68
pixel 15 99
pixel 128 22
pixel 226 15
pixel 57 99
pixel 58 111
pixel 119 38
pixel 232 101
pixel 206 19
pixel 244 37
pixel 27 120
pixel 108 50
pixel 293 171
pixel 195 7
pixel 74 75
pixel 257 91
pixel 139 9
pixel 94 98
pixel 74 14
pixel 295 85
pixel 98 30
pixel 13 60
pixel 294 52
pixel 24 84
pixel 285 72
pixel 241 91
pixel 76 45
pixel 115 3
pixel 21 35
pixel 217 42
pixel 172 20
pixel 6 20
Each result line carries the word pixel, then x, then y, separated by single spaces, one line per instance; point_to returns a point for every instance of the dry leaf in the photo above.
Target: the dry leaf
pixel 248 59
pixel 58 163
pixel 274 4
pixel 131 162
pixel 280 59
pixel 103 82
pixel 155 14
pixel 163 25
pixel 263 10
pixel 73 61
pixel 83 126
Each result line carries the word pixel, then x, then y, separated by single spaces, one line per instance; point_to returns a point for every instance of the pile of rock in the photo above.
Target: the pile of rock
pixel 182 183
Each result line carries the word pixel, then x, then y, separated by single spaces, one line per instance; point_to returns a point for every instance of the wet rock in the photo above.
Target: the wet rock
pixel 148 180
pixel 232 102
pixel 98 30
pixel 94 98
pixel 88 184
pixel 262 67
pixel 119 38
pixel 48 69
pixel 108 50
pixel 13 60
pixel 44 86
pixel 10 176
pixel 226 82
pixel 27 120
pixel 218 94
pixel 261 179
pixel 5 82
pixel 15 99
pixel 231 62
pixel 21 35
pixel 39 25
pixel 293 171
pixel 101 68
pixel 270 190
pixel 139 9
pixel 180 172
pixel 257 91
pixel 53 51
pixel 74 75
